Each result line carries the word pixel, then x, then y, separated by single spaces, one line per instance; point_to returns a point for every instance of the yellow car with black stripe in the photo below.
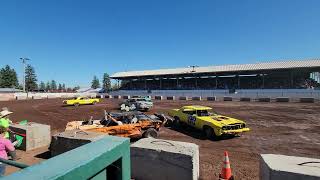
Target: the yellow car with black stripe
pixel 80 101
pixel 213 124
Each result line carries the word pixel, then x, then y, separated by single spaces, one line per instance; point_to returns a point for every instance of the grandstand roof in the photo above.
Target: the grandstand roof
pixel 223 68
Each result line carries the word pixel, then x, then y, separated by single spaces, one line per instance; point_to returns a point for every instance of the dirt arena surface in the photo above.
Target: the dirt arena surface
pixel 279 128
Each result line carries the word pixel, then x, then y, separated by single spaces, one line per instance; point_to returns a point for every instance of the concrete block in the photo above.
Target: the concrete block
pixel 245 99
pixel 282 99
pixel 36 135
pixel 264 99
pixel 158 97
pixel 108 96
pixel 307 100
pixel 36 97
pixel 21 97
pixel 212 98
pixel 198 98
pixel 227 98
pixel 68 140
pixel 184 98
pixel 126 97
pixel 116 97
pixel 279 167
pixel 171 98
pixel 164 159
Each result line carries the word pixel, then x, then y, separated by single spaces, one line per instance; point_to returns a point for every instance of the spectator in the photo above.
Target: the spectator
pixel 5 147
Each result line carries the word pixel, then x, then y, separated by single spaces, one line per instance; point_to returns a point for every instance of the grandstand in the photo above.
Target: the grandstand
pixel 302 74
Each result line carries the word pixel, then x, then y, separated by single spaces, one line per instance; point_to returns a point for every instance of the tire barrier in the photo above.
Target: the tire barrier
pixel 247 99
pixel 227 98
pixel 126 97
pixel 158 97
pixel 197 98
pixel 213 98
pixel 265 99
pixel 184 98
pixel 307 100
pixel 282 99
pixel 171 98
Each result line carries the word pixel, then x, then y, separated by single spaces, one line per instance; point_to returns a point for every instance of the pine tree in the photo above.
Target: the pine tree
pixel 59 87
pixel 106 82
pixel 95 83
pixel 8 78
pixel 42 86
pixel 48 87
pixel 53 85
pixel 31 78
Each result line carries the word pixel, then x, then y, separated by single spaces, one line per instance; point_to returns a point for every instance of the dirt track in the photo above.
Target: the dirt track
pixel 281 128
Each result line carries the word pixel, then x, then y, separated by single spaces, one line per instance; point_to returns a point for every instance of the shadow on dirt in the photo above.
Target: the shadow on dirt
pixel 198 134
pixel 44 155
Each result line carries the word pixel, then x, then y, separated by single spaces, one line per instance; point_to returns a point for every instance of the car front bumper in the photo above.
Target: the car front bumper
pixel 237 131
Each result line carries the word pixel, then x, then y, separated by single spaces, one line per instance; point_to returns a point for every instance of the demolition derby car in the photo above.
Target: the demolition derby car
pixel 137 103
pixel 128 124
pixel 81 101
pixel 213 124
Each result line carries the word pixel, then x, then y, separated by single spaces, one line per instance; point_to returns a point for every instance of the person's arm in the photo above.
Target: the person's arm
pixel 10 149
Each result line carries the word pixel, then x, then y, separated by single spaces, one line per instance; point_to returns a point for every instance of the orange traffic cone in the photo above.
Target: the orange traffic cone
pixel 226 169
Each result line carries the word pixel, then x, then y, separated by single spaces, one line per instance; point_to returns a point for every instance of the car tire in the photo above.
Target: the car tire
pixel 176 122
pixel 94 102
pixel 209 132
pixel 76 104
pixel 150 133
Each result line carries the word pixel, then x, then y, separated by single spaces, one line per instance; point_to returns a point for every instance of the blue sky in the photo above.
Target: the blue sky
pixel 71 41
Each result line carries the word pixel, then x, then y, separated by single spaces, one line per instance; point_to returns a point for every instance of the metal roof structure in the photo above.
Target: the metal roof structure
pixel 314 63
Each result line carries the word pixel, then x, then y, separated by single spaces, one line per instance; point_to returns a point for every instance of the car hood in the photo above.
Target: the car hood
pixel 222 120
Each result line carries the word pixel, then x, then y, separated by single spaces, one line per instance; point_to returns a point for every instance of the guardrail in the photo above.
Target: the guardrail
pixel 107 158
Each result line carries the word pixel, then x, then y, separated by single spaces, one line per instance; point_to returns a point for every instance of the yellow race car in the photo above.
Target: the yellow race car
pixel 213 124
pixel 80 101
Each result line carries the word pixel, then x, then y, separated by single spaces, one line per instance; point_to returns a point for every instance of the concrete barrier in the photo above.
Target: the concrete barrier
pixel 171 98
pixel 36 97
pixel 68 140
pixel 116 97
pixel 227 98
pixel 245 99
pixel 164 159
pixel 279 167
pixel 211 98
pixel 196 98
pixel 126 97
pixel 158 97
pixel 282 99
pixel 184 98
pixel 37 135
pixel 307 100
pixel 264 99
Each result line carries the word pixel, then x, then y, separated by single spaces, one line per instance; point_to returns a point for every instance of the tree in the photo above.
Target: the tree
pixel 106 82
pixel 8 78
pixel 95 83
pixel 60 87
pixel 76 88
pixel 31 78
pixel 63 87
pixel 53 85
pixel 48 87
pixel 42 86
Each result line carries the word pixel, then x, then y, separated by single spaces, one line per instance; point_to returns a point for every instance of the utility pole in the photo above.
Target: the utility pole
pixel 193 66
pixel 24 72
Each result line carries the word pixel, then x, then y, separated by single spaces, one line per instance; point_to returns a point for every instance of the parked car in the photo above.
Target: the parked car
pixel 212 124
pixel 144 104
pixel 81 101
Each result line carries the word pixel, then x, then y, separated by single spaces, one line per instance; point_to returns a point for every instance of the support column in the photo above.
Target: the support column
pixel 262 80
pixel 217 81
pixel 177 82
pixel 145 84
pixel 291 79
pixel 196 82
pixel 160 79
pixel 239 82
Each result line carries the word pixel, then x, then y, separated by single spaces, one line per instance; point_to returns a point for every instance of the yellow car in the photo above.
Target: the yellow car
pixel 80 101
pixel 214 125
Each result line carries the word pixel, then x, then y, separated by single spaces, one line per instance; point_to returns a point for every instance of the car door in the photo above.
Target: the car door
pixel 189 117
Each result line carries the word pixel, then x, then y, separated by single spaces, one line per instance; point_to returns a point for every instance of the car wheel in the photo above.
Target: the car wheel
pixel 94 102
pixel 151 132
pixel 209 132
pixel 76 104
